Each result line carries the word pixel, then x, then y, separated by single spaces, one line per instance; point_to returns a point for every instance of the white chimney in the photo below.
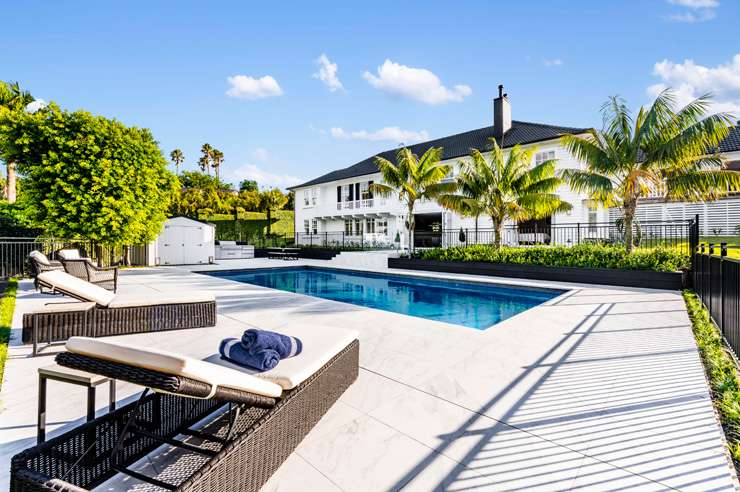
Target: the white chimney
pixel 501 114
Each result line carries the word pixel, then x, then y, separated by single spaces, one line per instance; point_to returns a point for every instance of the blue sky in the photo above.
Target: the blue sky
pixel 407 70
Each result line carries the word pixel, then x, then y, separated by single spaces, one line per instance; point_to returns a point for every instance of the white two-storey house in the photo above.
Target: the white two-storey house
pixel 339 208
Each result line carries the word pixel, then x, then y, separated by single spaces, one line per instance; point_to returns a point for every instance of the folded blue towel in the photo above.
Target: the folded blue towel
pixel 262 360
pixel 286 346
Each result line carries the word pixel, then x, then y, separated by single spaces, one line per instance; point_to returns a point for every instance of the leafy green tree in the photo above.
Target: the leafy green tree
pixel 217 158
pixel 86 176
pixel 12 98
pixel 177 158
pixel 290 204
pixel 195 179
pixel 412 179
pixel 662 152
pixel 270 200
pixel 248 185
pixel 506 187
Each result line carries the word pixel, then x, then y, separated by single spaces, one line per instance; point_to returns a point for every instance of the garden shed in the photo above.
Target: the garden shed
pixel 185 241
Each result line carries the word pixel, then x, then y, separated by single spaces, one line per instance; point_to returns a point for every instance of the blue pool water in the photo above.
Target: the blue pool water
pixel 470 304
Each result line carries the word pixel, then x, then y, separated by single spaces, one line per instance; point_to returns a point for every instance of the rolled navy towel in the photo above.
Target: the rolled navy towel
pixel 285 346
pixel 232 350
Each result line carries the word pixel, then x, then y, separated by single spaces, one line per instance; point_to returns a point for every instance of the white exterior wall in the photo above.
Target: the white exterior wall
pixel 330 219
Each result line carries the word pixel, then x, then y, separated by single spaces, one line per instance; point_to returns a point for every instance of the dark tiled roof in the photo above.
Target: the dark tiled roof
pixel 457 145
pixel 732 142
pixel 460 144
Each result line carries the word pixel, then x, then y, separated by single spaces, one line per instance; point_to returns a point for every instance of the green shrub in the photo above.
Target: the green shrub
pixel 7 306
pixel 720 369
pixel 583 255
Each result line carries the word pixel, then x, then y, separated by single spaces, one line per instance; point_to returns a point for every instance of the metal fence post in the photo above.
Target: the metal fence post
pixel 722 273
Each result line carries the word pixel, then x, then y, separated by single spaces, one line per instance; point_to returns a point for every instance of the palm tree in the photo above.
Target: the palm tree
pixel 659 153
pixel 506 188
pixel 217 157
pixel 13 98
pixel 412 179
pixel 205 160
pixel 177 158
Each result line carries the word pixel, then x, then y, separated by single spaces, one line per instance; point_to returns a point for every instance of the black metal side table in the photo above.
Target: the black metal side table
pixel 71 376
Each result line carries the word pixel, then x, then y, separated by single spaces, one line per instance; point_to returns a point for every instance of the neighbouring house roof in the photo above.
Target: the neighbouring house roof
pixel 732 142
pixel 521 132
pixel 458 145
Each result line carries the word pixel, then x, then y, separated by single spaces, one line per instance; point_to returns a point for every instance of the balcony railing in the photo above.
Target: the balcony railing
pixel 360 204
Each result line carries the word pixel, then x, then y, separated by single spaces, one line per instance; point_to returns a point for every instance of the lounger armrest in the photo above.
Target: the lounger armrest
pixel 65 307
pixel 38 481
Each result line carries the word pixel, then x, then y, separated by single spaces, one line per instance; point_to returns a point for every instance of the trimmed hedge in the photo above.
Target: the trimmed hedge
pixel 721 371
pixel 582 255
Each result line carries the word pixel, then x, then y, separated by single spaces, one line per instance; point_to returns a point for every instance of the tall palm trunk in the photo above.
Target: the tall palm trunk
pixel 629 210
pixel 10 192
pixel 476 228
pixel 497 232
pixel 411 226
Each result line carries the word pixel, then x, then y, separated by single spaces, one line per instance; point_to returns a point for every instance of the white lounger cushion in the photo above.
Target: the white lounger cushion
pixel 69 254
pixel 172 363
pixel 320 345
pixel 77 287
pixel 106 298
pixel 40 257
pixel 128 300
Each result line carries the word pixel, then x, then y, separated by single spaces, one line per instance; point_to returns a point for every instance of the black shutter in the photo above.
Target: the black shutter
pixel 357 191
pixel 370 189
pixel 339 194
pixel 351 193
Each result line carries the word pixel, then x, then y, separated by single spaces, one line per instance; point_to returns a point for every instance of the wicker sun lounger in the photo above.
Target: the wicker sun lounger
pixel 103 313
pixel 236 451
pixel 40 264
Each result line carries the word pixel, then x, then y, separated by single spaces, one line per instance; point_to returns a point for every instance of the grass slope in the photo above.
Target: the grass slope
pixel 7 306
pixel 721 371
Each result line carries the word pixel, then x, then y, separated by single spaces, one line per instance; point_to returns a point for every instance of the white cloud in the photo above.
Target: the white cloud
pixel 693 17
pixel 245 87
pixel 555 62
pixel 690 80
pixel 264 178
pixel 389 133
pixel 698 11
pixel 328 73
pixel 696 4
pixel 35 105
pixel 419 84
pixel 260 154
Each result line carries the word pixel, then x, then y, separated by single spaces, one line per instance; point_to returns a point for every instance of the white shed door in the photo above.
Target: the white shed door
pixel 193 246
pixel 172 251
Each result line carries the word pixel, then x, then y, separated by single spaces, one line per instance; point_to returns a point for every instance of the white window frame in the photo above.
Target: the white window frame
pixel 370 225
pixel 306 202
pixel 306 225
pixel 314 226
pixel 545 155
pixel 314 196
pixel 348 224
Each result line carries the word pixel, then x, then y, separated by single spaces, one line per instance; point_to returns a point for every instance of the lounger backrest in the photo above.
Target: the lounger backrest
pixel 173 364
pixel 227 243
pixel 66 283
pixel 69 254
pixel 39 257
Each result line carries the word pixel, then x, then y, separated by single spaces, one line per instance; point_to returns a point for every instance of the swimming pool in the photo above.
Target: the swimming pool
pixel 471 304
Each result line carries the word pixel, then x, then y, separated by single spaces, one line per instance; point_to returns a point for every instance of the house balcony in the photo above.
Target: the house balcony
pixel 370 207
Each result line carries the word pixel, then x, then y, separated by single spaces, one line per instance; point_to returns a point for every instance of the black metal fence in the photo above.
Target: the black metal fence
pixel 717 283
pixel 14 253
pixel 344 241
pixel 676 235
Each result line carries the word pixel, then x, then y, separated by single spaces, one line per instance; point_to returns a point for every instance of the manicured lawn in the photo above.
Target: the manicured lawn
pixel 7 305
pixel 730 240
pixel 720 369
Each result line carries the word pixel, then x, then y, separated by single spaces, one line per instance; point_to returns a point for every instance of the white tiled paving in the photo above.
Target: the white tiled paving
pixel 599 389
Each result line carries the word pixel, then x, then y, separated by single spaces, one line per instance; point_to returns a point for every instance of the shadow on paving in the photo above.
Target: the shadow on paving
pixel 613 409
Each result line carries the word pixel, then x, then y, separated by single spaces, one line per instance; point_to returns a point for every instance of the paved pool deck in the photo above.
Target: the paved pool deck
pixel 601 388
